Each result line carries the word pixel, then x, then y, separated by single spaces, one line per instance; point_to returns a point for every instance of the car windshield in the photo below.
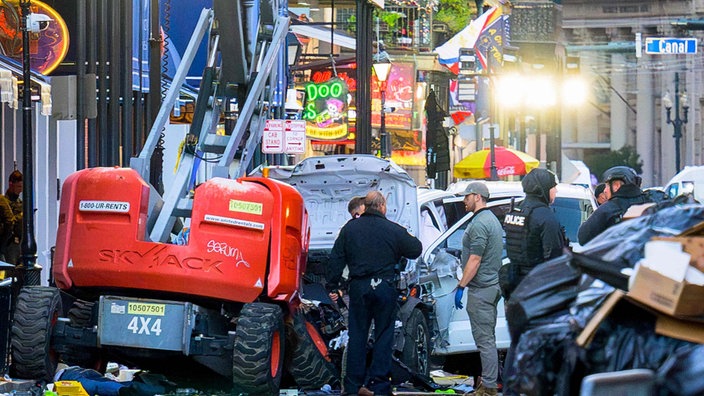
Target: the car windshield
pixel 571 213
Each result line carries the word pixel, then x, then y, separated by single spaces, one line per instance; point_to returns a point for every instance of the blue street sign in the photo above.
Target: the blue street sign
pixel 668 45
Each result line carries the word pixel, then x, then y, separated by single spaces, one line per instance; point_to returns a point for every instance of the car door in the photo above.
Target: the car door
pixel 453 325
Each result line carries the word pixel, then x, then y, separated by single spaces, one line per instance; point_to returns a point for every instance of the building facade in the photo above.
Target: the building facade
pixel 629 84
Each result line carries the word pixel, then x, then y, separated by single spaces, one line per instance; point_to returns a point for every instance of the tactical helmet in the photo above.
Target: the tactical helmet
pixel 623 173
pixel 538 182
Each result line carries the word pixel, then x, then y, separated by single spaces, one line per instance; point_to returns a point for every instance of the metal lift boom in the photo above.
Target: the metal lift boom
pixel 224 82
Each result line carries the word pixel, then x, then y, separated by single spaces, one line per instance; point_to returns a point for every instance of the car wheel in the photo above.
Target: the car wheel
pixel 416 348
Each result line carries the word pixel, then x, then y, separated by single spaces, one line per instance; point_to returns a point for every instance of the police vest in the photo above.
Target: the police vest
pixel 524 249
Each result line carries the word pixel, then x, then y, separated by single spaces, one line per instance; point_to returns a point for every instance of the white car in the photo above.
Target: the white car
pixel 572 205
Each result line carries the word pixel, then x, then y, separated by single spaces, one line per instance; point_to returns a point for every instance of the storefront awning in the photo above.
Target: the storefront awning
pixel 323 34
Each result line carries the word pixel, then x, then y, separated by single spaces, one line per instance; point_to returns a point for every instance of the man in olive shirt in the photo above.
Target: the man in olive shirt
pixel 481 256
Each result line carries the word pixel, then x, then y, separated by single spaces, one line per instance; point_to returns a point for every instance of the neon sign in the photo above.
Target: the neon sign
pixel 325 110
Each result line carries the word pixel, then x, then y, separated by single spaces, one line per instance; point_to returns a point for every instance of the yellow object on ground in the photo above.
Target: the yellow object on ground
pixel 69 388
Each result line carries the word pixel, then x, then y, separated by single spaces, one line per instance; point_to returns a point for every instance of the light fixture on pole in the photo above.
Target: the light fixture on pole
pixel 677 122
pixel 293 53
pixel 293 48
pixel 382 68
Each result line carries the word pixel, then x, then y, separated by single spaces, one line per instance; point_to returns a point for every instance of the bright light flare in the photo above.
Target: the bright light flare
pixel 541 92
pixel 574 91
pixel 510 90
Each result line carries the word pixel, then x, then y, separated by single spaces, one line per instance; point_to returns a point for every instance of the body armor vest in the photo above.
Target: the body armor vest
pixel 523 248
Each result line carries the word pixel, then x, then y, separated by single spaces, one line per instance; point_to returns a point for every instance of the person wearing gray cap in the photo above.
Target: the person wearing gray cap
pixel 481 258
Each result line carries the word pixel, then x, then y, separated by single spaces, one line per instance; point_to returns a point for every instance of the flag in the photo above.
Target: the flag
pixel 489 45
pixel 449 53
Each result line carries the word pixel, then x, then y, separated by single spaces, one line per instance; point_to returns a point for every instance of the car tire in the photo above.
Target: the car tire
pixel 416 347
pixel 258 350
pixel 36 313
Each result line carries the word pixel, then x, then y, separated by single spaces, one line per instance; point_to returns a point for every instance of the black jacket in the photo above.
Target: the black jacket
pixel 611 212
pixel 370 246
pixel 542 240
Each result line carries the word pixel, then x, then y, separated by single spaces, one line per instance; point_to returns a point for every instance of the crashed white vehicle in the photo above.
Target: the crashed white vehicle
pixel 429 325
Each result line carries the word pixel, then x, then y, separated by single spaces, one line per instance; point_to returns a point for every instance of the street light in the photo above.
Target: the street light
pixel 293 48
pixel 382 67
pixel 680 99
pixel 28 244
pixel 293 53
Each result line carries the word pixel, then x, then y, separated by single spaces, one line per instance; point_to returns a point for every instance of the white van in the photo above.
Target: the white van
pixel 689 180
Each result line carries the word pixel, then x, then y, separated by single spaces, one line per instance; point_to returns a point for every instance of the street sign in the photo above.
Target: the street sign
pixel 669 45
pixel 466 90
pixel 273 137
pixel 295 137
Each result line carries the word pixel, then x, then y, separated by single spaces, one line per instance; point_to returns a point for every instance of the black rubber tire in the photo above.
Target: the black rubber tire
pixel 311 367
pixel 80 316
pixel 80 313
pixel 258 351
pixel 36 313
pixel 416 346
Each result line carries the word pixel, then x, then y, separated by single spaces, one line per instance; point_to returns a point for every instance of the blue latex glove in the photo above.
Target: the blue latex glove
pixel 459 291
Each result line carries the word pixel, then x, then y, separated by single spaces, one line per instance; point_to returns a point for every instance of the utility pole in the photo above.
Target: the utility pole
pixel 29 244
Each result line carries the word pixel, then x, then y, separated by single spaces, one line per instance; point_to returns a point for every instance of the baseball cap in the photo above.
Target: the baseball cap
pixel 478 188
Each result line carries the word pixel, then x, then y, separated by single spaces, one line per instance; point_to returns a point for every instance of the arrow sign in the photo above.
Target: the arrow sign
pixel 273 137
pixel 295 137
pixel 668 45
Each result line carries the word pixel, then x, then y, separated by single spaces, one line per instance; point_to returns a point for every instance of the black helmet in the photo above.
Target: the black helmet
pixel 624 173
pixel 538 182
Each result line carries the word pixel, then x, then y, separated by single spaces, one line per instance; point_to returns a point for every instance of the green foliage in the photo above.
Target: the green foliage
pixel 601 161
pixel 390 18
pixel 456 14
pixel 352 26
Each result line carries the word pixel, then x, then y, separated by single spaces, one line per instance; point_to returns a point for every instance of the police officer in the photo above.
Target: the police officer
pixel 601 194
pixel 533 233
pixel 371 246
pixel 533 236
pixel 623 185
pixel 481 255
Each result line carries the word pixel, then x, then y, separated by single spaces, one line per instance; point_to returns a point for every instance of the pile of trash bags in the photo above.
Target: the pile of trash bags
pixel 551 307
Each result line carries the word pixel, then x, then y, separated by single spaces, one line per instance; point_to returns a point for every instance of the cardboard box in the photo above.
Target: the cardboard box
pixel 587 334
pixel 681 329
pixel 670 296
pixel 693 245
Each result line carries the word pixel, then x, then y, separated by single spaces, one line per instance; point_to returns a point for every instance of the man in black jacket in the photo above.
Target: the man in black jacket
pixel 624 189
pixel 371 246
pixel 533 233
pixel 533 236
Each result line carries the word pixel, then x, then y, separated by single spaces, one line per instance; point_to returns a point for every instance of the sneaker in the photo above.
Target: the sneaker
pixel 482 391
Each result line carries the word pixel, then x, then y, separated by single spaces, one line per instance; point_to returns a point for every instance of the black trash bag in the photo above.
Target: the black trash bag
pixel 607 271
pixel 623 243
pixel 626 339
pixel 682 374
pixel 592 294
pixel 544 360
pixel 147 384
pixel 548 289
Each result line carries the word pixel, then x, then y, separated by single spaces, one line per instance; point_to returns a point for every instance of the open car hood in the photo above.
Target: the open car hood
pixel 327 183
